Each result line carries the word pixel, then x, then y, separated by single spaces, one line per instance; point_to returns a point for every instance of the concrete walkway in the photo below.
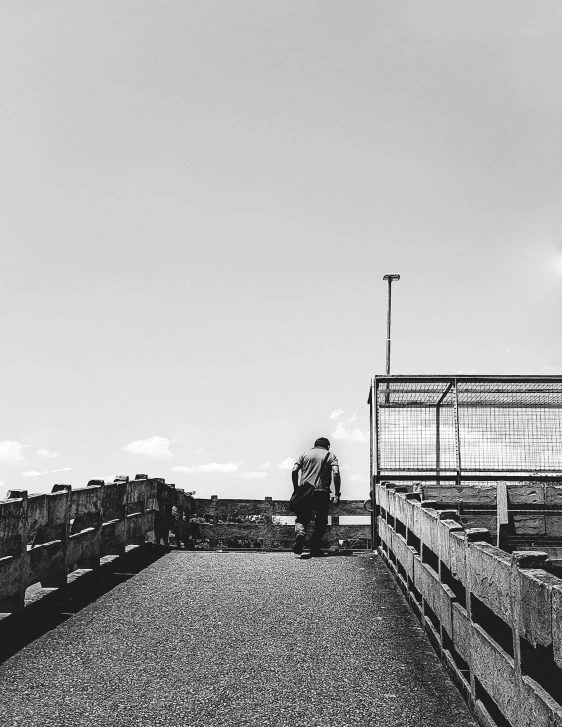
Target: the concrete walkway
pixel 236 639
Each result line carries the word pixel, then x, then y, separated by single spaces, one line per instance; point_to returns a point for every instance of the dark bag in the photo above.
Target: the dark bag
pixel 301 499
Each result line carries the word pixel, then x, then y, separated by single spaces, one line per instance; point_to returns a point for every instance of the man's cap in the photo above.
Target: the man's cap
pixel 322 442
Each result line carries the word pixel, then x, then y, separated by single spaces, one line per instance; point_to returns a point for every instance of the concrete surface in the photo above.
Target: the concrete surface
pixel 205 638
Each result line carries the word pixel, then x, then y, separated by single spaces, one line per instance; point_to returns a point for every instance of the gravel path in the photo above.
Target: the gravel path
pixel 237 639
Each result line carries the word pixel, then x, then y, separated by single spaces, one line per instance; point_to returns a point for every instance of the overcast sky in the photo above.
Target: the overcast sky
pixel 199 200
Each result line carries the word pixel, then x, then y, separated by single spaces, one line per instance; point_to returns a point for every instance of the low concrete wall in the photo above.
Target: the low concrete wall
pixel 495 618
pixel 221 523
pixel 532 511
pixel 43 538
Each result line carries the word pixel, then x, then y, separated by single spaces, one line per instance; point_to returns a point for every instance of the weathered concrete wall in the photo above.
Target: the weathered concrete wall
pixel 495 618
pixel 533 517
pixel 221 521
pixel 44 537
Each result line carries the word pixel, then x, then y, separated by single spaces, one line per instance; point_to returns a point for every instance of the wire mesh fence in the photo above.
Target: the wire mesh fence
pixel 468 424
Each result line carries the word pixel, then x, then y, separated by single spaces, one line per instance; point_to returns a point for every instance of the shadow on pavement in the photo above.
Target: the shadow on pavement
pixel 47 608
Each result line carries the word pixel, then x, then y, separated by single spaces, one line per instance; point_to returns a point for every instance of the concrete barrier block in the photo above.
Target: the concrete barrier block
pixel 113 536
pixel 81 546
pixel 529 524
pixel 494 669
pixel 553 526
pixel 531 494
pixel 391 495
pixel 113 501
pixel 457 561
pixel 56 504
pixel 135 526
pixel 530 559
pixel 137 496
pixel 478 535
pixel 448 515
pixel 12 513
pixel 413 496
pixel 150 517
pixel 418 567
pixel 37 512
pixel 404 554
pixel 402 508
pixel 556 595
pixel 536 707
pixel 411 515
pixel 490 574
pixel 389 537
pixel 444 548
pixel 429 527
pixel 45 560
pixel 185 501
pixel 10 576
pixel 382 497
pixel 152 499
pixel 84 501
pixel 535 617
pixel 481 521
pixel 417 519
pixel 473 493
pixel 553 495
pixel 383 531
pixel 460 630
pixel 428 584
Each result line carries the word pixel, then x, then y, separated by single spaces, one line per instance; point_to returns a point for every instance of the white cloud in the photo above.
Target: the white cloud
pixel 265 465
pixel 348 435
pixel 11 452
pixel 210 467
pixel 200 450
pixel 345 467
pixel 157 447
pixel 253 475
pixel 287 464
pixel 336 414
pixel 49 454
pixel 358 478
pixel 35 473
pixel 352 418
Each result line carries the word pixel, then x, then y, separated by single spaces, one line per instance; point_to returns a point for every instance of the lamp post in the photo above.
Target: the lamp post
pixel 390 278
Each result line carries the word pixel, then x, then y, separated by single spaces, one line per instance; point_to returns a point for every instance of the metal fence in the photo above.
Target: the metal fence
pixel 443 427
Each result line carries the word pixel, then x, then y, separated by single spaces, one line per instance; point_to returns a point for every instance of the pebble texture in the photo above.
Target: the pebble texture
pixel 241 639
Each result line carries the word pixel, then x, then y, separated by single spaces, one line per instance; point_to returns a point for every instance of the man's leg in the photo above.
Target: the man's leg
pixel 301 524
pixel 321 506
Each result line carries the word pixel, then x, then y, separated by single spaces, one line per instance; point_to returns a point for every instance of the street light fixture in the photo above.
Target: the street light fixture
pixel 390 278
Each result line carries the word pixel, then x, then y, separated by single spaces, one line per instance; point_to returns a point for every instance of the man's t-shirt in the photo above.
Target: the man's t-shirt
pixel 310 463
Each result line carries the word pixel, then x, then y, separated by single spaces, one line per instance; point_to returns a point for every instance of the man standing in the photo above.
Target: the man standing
pixel 316 467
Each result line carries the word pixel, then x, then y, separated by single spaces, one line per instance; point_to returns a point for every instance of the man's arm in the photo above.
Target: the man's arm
pixel 295 475
pixel 337 479
pixel 337 484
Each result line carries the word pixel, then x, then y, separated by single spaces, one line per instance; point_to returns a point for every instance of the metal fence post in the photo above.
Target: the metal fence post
pixel 457 433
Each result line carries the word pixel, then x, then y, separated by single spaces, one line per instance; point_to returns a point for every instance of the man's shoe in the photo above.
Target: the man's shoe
pixel 318 554
pixel 299 544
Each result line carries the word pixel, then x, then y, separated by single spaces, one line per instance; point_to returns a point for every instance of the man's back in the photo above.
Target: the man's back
pixel 310 463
